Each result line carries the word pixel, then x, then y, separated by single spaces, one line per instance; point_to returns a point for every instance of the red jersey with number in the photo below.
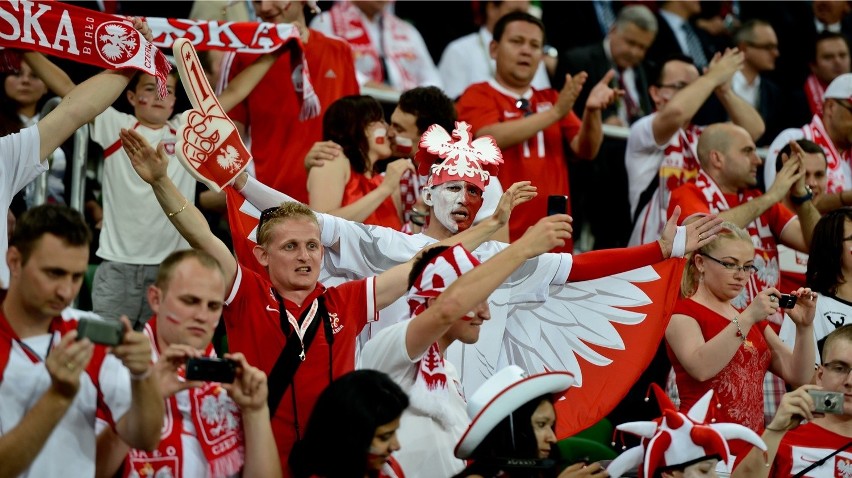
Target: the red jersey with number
pixel 279 140
pixel 541 159
pixel 253 324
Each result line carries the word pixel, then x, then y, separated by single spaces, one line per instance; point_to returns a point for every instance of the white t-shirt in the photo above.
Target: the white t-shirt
pixel 830 314
pixel 21 164
pixel 426 445
pixel 70 449
pixel 135 230
pixel 645 161
pixel 467 60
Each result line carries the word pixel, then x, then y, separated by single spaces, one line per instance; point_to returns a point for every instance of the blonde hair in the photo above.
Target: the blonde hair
pixel 273 216
pixel 729 230
pixel 840 333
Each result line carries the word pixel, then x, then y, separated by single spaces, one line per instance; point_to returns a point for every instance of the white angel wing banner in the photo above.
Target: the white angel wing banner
pixel 604 331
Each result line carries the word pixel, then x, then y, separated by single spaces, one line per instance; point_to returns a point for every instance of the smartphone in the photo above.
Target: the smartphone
pixel 102 332
pixel 827 402
pixel 787 301
pixel 557 205
pixel 208 369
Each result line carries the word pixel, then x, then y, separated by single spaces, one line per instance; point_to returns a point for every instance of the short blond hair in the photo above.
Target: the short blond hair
pixel 276 215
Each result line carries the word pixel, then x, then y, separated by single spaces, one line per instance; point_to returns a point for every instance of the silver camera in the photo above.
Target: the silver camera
pixel 827 402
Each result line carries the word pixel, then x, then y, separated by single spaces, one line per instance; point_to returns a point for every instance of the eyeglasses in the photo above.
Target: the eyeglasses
pixel 764 46
pixel 674 86
pixel 844 105
pixel 524 105
pixel 749 269
pixel 838 368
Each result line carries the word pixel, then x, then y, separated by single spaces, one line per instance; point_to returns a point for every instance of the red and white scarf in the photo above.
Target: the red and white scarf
pixel 218 429
pixel 765 254
pixel 835 160
pixel 815 93
pixel 430 392
pixel 347 22
pixel 82 35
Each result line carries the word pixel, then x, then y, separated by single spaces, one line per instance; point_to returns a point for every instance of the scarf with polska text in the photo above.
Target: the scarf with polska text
pixel 218 429
pixel 81 35
pixel 243 37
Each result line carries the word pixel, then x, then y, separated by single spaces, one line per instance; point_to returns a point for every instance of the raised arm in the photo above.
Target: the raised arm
pixel 747 212
pixel 685 103
pixel 242 84
pixel 151 166
pixel 393 283
pixel 475 286
pixel 587 143
pixel 53 77
pixel 84 102
pixel 796 366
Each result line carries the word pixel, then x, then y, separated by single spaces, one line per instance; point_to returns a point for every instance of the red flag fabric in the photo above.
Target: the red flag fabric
pixel 243 218
pixel 81 35
pixel 605 384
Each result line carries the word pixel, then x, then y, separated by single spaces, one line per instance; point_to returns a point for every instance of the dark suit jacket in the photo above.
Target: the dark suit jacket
pixel 666 44
pixel 592 59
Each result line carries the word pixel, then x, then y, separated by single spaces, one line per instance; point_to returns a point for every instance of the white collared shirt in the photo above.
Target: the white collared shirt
pixel 748 92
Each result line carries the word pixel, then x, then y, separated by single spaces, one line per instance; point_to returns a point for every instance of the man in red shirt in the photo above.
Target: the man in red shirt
pixel 279 138
pixel 299 332
pixel 532 126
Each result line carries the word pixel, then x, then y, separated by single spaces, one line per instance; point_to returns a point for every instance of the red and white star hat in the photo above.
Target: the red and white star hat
pixel 679 440
pixel 444 159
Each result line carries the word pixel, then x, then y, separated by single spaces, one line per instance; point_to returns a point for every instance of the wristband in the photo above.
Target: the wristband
pixel 679 242
pixel 173 214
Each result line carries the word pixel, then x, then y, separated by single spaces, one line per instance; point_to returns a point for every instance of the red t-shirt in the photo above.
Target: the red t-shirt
pixel 806 444
pixel 540 159
pixel 359 186
pixel 253 325
pixel 738 387
pixel 279 140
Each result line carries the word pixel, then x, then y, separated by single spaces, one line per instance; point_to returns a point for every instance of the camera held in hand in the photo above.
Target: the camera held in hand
pixel 827 402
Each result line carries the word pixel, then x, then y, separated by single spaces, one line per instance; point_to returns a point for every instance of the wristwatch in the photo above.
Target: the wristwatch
pixel 802 199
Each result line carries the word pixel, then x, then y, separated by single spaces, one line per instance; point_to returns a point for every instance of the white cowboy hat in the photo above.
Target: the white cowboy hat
pixel 501 395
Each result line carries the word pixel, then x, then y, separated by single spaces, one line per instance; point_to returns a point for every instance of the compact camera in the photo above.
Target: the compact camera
pixel 827 402
pixel 208 369
pixel 787 301
pixel 102 332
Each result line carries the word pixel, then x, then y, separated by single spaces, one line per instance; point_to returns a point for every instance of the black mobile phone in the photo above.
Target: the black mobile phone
pixel 557 205
pixel 102 332
pixel 787 301
pixel 208 369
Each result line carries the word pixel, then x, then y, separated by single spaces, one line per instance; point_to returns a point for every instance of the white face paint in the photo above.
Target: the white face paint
pixel 447 198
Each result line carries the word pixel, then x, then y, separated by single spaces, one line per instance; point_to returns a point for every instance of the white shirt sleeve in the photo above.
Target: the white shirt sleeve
pixel 114 381
pixel 21 161
pixel 452 69
pixel 387 352
pixel 490 200
pixel 641 159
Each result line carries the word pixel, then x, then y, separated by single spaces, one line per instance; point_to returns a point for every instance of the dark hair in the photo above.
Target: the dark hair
pixel 348 412
pixel 823 36
pixel 807 146
pixel 745 33
pixel 431 106
pixel 502 443
pixel 657 69
pixel 131 85
pixel 510 17
pixel 824 272
pixel 60 221
pixel 10 121
pixel 422 261
pixel 344 123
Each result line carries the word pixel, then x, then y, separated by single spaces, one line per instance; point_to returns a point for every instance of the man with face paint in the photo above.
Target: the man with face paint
pixel 135 238
pixel 357 251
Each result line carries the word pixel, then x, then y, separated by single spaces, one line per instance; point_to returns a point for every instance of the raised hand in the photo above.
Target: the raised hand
pixel 150 165
pixel 517 193
pixel 764 304
pixel 66 361
pixel 698 233
pixel 791 172
pixel 547 233
pixel 804 311
pixel 582 470
pixel 723 66
pixel 395 171
pixel 795 406
pixel 602 95
pixel 569 93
